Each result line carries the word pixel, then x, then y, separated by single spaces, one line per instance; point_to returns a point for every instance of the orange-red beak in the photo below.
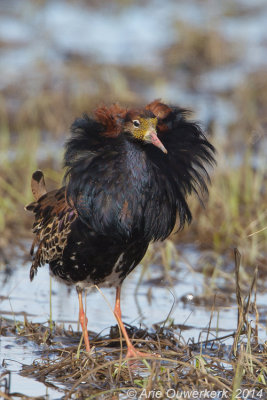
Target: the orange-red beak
pixel 152 137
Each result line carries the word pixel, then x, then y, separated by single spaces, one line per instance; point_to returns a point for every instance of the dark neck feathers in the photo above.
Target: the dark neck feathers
pixel 133 191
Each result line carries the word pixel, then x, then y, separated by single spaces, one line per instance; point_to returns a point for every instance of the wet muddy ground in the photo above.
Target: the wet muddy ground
pixel 183 308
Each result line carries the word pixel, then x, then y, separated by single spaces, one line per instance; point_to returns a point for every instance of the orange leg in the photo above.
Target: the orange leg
pixel 131 352
pixel 83 320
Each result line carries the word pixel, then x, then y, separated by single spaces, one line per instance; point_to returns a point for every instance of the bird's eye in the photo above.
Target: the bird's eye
pixel 136 123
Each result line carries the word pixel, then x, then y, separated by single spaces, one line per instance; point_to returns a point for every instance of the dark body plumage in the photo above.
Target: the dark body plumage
pixel 121 194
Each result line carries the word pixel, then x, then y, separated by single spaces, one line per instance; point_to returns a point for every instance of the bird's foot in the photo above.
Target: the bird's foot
pixel 133 353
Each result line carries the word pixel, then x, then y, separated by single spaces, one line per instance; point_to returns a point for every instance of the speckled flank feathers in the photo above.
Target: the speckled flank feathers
pixel 53 219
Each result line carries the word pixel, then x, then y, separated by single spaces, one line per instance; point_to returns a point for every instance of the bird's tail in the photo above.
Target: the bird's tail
pixel 38 188
pixel 38 185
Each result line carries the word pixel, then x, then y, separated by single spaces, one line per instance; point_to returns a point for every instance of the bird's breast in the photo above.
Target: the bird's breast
pixel 129 199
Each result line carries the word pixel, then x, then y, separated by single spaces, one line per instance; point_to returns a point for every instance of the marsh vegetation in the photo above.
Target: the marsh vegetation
pixel 195 300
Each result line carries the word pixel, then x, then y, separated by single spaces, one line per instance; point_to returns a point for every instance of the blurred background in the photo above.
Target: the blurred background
pixel 59 59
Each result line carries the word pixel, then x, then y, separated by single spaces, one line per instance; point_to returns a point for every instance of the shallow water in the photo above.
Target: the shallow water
pixel 32 298
pixel 113 34
pixel 46 34
pixel 22 297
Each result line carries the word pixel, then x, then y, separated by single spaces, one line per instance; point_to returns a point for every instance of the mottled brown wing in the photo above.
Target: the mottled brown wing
pixel 53 219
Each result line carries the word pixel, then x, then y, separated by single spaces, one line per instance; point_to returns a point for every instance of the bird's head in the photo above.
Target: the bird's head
pixel 143 127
